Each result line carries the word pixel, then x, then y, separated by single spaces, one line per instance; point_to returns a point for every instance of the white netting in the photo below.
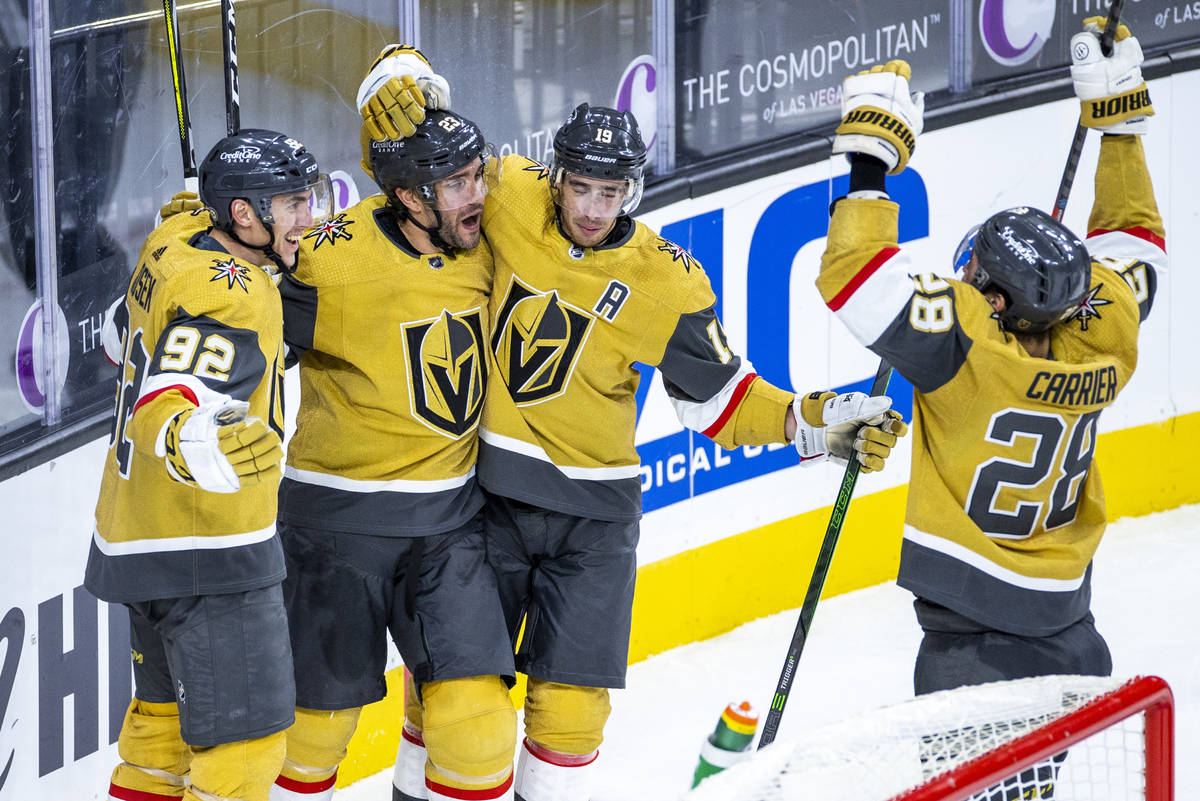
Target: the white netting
pixel 878 755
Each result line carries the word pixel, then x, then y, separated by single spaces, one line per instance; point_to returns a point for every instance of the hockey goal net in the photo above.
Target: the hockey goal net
pixel 1067 738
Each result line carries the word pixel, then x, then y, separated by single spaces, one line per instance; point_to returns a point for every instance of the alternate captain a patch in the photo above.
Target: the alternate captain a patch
pixel 537 341
pixel 447 369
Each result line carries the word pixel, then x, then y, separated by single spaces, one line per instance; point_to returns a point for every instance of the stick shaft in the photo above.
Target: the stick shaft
pixel 817 583
pixel 233 111
pixel 1068 176
pixel 183 120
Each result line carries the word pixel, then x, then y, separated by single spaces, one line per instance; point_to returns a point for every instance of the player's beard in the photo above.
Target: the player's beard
pixel 454 235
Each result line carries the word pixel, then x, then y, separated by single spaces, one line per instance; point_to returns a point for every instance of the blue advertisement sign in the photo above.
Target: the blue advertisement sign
pixel 685 464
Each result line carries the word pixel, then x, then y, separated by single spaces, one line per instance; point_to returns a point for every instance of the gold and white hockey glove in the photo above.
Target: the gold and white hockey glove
pixel 393 97
pixel 1113 96
pixel 831 427
pixel 879 116
pixel 217 448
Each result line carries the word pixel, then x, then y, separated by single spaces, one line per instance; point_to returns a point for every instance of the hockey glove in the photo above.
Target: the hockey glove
pixel 879 116
pixel 832 427
pixel 393 97
pixel 1113 96
pixel 217 448
pixel 179 203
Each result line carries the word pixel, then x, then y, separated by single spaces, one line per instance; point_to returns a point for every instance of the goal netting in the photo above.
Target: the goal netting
pixel 1068 738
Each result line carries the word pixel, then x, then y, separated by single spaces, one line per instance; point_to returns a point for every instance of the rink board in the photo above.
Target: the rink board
pixel 727 536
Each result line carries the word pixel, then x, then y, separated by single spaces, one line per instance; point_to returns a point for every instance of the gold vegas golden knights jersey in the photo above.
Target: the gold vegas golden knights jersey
pixel 392 375
pixel 568 325
pixel 1005 508
pixel 196 326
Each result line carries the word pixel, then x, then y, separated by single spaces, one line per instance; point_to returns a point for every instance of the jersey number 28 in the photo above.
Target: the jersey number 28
pixel 1071 466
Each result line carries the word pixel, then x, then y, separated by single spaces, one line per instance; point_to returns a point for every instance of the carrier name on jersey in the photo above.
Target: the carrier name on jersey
pixel 447 370
pixel 537 341
pixel 1079 388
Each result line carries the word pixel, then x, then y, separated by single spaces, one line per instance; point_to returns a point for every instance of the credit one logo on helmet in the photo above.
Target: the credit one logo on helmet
pixel 1015 31
pixel 243 155
pixel 636 92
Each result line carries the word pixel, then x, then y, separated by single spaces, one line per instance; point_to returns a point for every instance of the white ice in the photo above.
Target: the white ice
pixel 859 656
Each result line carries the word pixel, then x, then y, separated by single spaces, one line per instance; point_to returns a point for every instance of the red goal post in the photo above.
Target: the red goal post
pixel 1144 694
pixel 1069 738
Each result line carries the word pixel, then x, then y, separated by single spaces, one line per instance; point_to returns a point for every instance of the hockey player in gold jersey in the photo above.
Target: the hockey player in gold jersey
pixel 380 508
pixel 185 524
pixel 1013 362
pixel 581 292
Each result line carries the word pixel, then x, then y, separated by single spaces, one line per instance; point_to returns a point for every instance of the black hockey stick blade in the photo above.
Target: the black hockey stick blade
pixel 817 583
pixel 1068 176
pixel 183 120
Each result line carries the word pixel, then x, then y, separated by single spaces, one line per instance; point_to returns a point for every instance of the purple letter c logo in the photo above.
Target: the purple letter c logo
pixel 1013 33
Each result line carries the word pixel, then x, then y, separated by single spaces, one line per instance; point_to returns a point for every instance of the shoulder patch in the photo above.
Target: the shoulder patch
pixel 330 231
pixel 1088 307
pixel 677 253
pixel 541 170
pixel 232 272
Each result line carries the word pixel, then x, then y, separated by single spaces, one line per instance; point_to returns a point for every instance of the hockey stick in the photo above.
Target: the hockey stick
pixel 190 181
pixel 817 582
pixel 233 111
pixel 1068 176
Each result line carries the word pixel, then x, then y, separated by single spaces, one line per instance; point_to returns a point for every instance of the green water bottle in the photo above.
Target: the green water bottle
pixel 730 741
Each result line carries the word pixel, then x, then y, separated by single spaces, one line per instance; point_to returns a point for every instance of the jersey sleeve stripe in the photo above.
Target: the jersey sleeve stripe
pixel 1122 246
pixel 1137 231
pixel 739 392
pixel 149 396
pixel 192 388
pixel 861 277
pixel 710 415
pixel 880 299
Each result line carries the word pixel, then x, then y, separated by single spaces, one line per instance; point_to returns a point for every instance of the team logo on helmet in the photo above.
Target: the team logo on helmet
pixel 537 341
pixel 1088 307
pixel 447 367
pixel 232 272
pixel 330 231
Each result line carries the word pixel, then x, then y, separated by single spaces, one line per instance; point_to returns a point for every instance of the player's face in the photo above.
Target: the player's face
pixel 589 208
pixel 292 213
pixel 459 198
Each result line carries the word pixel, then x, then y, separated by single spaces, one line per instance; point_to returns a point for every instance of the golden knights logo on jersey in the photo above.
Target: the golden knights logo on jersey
pixel 537 340
pixel 447 368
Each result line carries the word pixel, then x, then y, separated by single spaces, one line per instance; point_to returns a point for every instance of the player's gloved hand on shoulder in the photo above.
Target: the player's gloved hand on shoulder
pixel 880 117
pixel 217 448
pixel 179 203
pixel 1112 94
pixel 835 427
